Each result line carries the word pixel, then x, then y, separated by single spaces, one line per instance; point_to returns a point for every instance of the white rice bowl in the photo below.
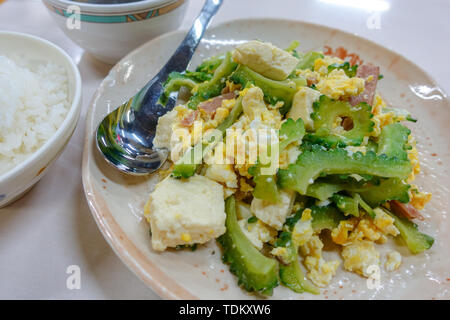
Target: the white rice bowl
pixel 40 104
pixel 34 102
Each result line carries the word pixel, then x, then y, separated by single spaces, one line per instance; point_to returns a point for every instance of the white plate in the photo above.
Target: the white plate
pixel 117 200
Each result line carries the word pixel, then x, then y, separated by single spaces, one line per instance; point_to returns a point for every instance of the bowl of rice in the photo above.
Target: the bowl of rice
pixel 40 98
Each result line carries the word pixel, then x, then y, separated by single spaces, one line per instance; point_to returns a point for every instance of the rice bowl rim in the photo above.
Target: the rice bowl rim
pixel 72 114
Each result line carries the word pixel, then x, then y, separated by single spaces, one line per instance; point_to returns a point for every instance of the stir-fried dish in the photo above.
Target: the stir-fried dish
pixel 274 152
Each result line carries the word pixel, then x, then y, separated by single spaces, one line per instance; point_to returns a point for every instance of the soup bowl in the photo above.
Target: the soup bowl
pixel 110 29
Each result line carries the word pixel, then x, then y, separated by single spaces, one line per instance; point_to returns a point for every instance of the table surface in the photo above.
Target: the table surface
pixel 52 228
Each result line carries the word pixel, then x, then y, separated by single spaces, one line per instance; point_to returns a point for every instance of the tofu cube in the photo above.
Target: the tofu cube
pixel 302 106
pixel 164 130
pixel 266 59
pixel 186 211
pixel 274 214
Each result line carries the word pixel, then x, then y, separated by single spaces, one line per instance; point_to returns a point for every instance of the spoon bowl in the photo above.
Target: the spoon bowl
pixel 125 136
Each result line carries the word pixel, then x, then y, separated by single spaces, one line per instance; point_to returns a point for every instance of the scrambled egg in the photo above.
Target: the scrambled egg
pixel 185 134
pixel 309 75
pixel 220 114
pixel 338 85
pixel 303 230
pixel 413 156
pixel 223 173
pixel 359 255
pixel 321 64
pixel 378 104
pixel 380 119
pixel 289 155
pixel 385 223
pixel 358 236
pixel 393 261
pixel 320 272
pixel 418 199
pixel 340 234
pixel 245 137
pixel 244 186
pixel 230 86
pixel 228 192
pixel 257 232
pixel 274 214
pixel 281 252
pixel 357 229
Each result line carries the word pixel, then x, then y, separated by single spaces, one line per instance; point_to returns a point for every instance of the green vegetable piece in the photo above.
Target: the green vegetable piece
pixel 184 170
pixel 374 192
pixel 299 81
pixel 210 65
pixel 266 188
pixel 400 114
pixel 386 190
pixel 232 116
pixel 255 271
pixel 393 141
pixel 198 76
pixel 348 205
pixel 188 163
pixel 265 185
pixel 174 82
pixel 292 46
pixel 213 87
pixel 365 206
pixel 307 60
pixel 326 111
pixel 252 219
pixel 416 241
pixel 350 71
pixel 291 274
pixel 323 190
pixel 291 131
pixel 191 247
pixel 283 239
pixel 319 161
pixel 273 90
pixel 325 217
pixel 372 146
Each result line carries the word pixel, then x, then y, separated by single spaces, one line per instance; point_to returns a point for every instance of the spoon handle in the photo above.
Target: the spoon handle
pixel 182 56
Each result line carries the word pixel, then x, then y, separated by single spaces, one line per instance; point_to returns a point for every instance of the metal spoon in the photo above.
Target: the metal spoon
pixel 125 136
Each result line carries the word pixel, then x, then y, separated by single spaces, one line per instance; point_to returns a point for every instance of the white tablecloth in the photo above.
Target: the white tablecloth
pixel 51 228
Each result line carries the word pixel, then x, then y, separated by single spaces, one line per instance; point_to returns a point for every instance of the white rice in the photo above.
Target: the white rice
pixel 33 104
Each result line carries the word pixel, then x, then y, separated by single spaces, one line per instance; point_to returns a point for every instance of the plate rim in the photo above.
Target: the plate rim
pixel 170 289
